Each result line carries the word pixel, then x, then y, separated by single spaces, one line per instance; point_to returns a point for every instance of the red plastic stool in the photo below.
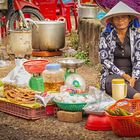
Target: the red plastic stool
pixel 47 8
pixel 73 7
pixel 64 11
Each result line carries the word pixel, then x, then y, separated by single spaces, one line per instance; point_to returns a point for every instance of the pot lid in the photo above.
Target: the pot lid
pixel 88 7
pixel 19 31
pixel 50 22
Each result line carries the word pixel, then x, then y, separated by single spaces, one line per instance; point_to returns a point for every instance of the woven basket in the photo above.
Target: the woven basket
pixel 74 107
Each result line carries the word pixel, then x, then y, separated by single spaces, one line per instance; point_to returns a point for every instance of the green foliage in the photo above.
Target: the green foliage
pixel 84 56
pixel 74 40
pixel 74 44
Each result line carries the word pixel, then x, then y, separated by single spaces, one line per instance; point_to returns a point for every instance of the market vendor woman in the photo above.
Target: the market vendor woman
pixel 120 49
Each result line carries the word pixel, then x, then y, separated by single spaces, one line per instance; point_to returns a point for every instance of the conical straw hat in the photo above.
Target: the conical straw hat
pixel 120 9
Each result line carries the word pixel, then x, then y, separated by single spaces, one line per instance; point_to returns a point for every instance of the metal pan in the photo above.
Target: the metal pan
pixel 71 62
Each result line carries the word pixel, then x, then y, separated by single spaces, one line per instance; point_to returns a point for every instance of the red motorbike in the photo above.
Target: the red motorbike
pixel 18 11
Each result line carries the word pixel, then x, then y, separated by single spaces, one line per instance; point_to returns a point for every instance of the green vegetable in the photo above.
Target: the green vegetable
pixel 111 112
pixel 118 112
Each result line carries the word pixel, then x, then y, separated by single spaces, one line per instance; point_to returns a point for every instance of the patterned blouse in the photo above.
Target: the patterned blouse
pixel 106 52
pixel 122 54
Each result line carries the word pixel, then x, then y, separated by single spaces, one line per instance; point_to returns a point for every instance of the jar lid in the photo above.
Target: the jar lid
pixel 118 81
pixel 53 66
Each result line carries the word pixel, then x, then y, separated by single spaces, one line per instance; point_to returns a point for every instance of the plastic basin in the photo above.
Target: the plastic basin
pixel 35 66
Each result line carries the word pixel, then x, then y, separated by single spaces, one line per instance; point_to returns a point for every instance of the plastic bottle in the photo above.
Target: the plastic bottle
pixel 53 77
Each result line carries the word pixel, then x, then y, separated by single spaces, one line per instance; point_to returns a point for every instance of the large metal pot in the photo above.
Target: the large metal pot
pixel 20 43
pixel 88 11
pixel 49 35
pixel 3 4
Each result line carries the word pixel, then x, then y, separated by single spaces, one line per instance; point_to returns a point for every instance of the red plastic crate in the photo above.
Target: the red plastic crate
pixel 21 111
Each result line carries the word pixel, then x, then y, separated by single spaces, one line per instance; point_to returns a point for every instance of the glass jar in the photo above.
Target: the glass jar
pixel 53 77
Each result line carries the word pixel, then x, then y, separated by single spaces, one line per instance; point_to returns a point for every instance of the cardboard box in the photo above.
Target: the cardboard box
pixel 73 117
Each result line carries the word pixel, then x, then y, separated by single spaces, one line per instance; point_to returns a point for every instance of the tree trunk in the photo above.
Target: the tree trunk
pixel 89 33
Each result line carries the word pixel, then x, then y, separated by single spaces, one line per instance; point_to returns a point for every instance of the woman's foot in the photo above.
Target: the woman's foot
pixel 136 96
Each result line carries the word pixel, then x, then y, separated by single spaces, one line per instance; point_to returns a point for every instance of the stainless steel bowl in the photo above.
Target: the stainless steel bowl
pixel 71 62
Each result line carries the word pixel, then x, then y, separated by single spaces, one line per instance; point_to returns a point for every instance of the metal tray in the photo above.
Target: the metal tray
pixel 71 62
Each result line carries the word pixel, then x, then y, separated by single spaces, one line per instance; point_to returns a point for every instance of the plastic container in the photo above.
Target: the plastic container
pixel 119 89
pixel 98 123
pixel 76 82
pixel 35 66
pixel 50 109
pixel 53 77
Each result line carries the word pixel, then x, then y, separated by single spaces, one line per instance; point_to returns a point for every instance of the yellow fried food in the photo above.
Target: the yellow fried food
pixel 18 94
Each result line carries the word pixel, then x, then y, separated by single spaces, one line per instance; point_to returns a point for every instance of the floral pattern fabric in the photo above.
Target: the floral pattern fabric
pixel 106 52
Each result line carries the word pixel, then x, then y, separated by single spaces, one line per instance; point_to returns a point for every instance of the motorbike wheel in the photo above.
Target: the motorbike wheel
pixel 15 17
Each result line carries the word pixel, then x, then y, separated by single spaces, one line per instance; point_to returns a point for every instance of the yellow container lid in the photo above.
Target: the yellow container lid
pixel 118 81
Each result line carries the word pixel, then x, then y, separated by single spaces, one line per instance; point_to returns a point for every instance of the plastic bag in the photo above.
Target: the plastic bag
pixel 47 98
pixel 102 100
pixel 18 75
pixel 75 82
pixel 4 63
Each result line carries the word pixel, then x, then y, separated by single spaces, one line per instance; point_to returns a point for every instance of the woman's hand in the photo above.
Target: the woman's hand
pixel 130 79
pixel 132 82
pixel 136 96
pixel 126 77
